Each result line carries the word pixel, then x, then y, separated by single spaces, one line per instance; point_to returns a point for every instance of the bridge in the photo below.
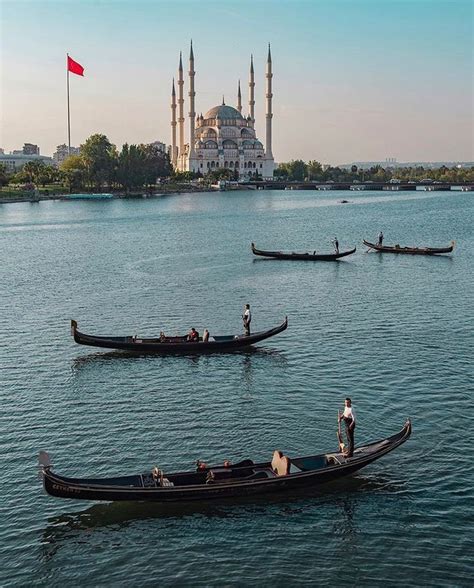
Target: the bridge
pixel 358 186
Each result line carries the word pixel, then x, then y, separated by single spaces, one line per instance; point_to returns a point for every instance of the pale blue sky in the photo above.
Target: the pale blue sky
pixel 353 80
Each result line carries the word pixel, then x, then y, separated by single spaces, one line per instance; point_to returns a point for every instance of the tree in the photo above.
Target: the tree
pixel 297 170
pixel 99 156
pixel 73 169
pixel 48 174
pixel 157 163
pixel 32 171
pixel 315 170
pixel 4 179
pixel 131 167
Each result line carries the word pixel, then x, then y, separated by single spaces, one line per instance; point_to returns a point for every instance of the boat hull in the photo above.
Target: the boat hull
pixel 176 345
pixel 409 250
pixel 302 256
pixel 125 489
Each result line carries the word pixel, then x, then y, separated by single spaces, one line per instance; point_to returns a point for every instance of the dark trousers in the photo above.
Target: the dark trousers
pixel 247 327
pixel 350 426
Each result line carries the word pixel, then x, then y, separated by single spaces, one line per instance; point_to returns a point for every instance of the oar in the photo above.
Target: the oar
pixel 339 435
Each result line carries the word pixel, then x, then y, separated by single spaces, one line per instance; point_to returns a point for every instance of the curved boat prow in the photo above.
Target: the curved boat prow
pixel 73 327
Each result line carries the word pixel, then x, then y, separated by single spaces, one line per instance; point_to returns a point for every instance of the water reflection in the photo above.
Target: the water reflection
pixel 342 494
pixel 111 356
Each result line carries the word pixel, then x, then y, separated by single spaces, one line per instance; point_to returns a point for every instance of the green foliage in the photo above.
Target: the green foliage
pixel 74 171
pixel 297 170
pixel 4 178
pixel 99 156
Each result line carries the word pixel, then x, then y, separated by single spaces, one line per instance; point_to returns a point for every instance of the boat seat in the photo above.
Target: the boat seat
pixel 335 458
pixel 280 463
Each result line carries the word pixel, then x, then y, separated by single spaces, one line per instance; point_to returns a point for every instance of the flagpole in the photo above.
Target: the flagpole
pixel 68 110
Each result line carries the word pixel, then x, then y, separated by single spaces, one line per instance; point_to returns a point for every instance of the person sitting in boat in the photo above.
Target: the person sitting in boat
pixel 380 239
pixel 193 335
pixel 205 336
pixel 350 421
pixel 162 336
pixel 336 245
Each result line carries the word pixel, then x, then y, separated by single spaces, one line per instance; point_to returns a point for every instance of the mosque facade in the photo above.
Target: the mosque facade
pixel 223 138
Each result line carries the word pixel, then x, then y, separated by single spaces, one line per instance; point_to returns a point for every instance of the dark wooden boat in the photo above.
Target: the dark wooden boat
pixel 410 250
pixel 180 344
pixel 208 483
pixel 302 256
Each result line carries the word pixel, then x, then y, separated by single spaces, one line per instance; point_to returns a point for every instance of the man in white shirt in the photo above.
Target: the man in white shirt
pixel 247 318
pixel 350 422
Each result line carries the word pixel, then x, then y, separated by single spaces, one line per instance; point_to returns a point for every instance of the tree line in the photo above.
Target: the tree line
pixel 299 170
pixel 99 164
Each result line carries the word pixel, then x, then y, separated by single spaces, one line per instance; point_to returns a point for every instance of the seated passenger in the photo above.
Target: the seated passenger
pixel 193 335
pixel 205 336
pixel 162 336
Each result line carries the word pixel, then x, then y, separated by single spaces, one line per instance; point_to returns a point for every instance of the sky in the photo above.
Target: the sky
pixel 354 80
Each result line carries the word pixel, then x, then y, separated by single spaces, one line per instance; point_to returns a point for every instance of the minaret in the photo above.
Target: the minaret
pixel 192 94
pixel 269 114
pixel 181 106
pixel 239 100
pixel 173 125
pixel 252 92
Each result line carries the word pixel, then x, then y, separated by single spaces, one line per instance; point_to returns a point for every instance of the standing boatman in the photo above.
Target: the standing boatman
pixel 380 239
pixel 247 318
pixel 336 245
pixel 350 421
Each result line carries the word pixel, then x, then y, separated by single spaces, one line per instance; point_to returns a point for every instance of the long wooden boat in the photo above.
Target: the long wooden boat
pixel 208 483
pixel 302 256
pixel 179 344
pixel 410 250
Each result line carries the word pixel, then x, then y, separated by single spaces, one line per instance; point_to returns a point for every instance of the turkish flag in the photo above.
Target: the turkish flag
pixel 74 67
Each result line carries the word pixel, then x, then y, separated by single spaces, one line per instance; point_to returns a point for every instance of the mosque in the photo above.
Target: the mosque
pixel 223 137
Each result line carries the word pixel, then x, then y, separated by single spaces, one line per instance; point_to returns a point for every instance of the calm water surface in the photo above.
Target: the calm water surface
pixel 395 333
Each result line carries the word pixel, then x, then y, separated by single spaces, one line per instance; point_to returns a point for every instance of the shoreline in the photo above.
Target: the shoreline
pixel 116 196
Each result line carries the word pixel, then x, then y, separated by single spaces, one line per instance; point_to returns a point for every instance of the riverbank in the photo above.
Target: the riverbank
pixel 16 196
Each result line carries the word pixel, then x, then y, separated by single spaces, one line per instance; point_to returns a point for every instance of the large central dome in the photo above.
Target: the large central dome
pixel 223 111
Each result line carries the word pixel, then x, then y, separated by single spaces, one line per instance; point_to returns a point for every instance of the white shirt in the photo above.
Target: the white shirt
pixel 349 413
pixel 247 315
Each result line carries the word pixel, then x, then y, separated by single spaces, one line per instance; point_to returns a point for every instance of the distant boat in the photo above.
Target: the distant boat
pixel 89 196
pixel 301 256
pixel 410 250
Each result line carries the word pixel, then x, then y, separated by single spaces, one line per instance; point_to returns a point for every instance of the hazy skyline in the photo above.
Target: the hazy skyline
pixel 353 81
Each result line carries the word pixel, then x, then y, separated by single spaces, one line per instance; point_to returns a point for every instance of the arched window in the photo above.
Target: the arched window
pixel 228 144
pixel 254 165
pixel 211 145
pixel 212 164
pixel 208 165
pixel 226 164
pixel 231 164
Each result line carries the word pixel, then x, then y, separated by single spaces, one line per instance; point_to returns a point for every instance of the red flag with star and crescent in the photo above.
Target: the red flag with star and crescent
pixel 74 67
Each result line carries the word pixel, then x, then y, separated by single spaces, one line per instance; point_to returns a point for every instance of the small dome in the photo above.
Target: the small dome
pixel 223 111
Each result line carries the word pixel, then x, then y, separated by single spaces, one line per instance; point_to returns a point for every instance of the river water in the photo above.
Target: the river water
pixel 393 332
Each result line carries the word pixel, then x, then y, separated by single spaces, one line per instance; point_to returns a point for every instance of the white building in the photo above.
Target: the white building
pixel 15 161
pixel 223 138
pixel 62 153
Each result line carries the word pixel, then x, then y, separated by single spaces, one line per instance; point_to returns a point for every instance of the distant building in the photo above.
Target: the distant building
pixel 223 138
pixel 30 149
pixel 2 151
pixel 15 161
pixel 62 152
pixel 160 146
